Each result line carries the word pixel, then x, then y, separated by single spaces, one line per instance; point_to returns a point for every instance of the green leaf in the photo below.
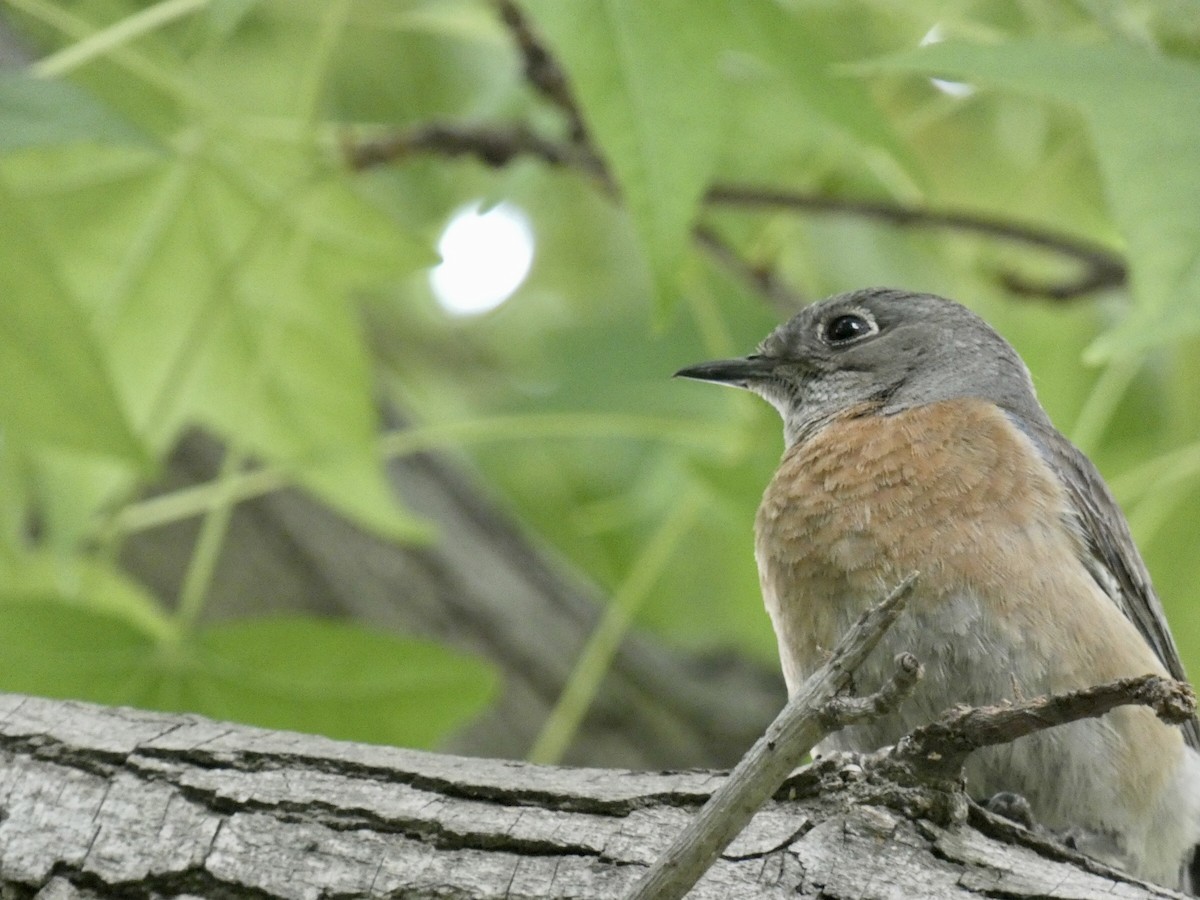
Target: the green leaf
pixel 38 112
pixel 351 242
pixel 340 680
pixel 57 388
pixel 1143 112
pixel 288 373
pixel 91 585
pixel 56 649
pixel 294 673
pixel 69 489
pixel 648 80
pixel 359 490
pixel 222 282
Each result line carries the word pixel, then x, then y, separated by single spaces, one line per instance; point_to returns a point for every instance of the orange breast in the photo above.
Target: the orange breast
pixel 953 490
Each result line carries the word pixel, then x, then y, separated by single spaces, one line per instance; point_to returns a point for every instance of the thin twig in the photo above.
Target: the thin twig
pixel 1102 267
pixel 842 711
pixel 494 145
pixel 542 70
pixel 783 298
pixel 804 721
pixel 500 145
pixel 941 747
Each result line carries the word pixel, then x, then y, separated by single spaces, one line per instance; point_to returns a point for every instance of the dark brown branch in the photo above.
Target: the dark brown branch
pixel 542 70
pixel 499 145
pixel 494 145
pixel 942 747
pixel 1098 277
pixel 1102 267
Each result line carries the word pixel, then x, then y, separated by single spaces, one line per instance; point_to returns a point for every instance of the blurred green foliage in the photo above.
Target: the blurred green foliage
pixel 185 243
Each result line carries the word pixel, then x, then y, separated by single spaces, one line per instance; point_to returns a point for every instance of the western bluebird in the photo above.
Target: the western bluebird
pixel 915 442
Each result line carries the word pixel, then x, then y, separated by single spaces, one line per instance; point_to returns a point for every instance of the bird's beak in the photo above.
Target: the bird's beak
pixel 741 372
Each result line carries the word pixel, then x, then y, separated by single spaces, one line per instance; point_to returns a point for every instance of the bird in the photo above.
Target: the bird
pixel 915 441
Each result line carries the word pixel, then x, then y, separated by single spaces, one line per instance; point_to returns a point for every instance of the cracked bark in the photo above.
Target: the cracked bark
pixel 101 802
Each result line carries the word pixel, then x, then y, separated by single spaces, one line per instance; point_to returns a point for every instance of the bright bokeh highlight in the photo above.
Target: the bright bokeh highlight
pixel 485 258
pixel 953 88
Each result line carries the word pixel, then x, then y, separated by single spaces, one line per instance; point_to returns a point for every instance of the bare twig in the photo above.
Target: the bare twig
pixel 1099 276
pixel 807 718
pixel 930 759
pixel 783 298
pixel 842 711
pixel 499 145
pixel 493 145
pixel 542 70
pixel 941 747
pixel 1102 267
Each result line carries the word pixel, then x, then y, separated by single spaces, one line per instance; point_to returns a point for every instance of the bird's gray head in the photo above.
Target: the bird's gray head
pixel 879 349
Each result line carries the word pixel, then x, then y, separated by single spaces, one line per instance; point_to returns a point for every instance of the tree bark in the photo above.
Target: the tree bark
pixel 101 802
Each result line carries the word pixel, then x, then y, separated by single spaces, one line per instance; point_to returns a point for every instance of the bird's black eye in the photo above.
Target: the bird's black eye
pixel 848 327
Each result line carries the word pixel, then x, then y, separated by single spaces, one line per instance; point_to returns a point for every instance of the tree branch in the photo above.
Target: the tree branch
pixel 920 777
pixel 494 145
pixel 813 712
pixel 500 145
pixel 941 748
pixel 542 70
pixel 782 297
pixel 842 711
pixel 101 802
pixel 477 589
pixel 1102 267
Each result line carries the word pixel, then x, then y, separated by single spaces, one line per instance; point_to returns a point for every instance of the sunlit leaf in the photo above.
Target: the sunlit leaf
pixel 222 282
pixel 57 387
pixel 223 17
pixel 54 649
pixel 783 39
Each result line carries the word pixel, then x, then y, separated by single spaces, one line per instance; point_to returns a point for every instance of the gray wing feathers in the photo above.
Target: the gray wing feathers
pixel 1111 555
